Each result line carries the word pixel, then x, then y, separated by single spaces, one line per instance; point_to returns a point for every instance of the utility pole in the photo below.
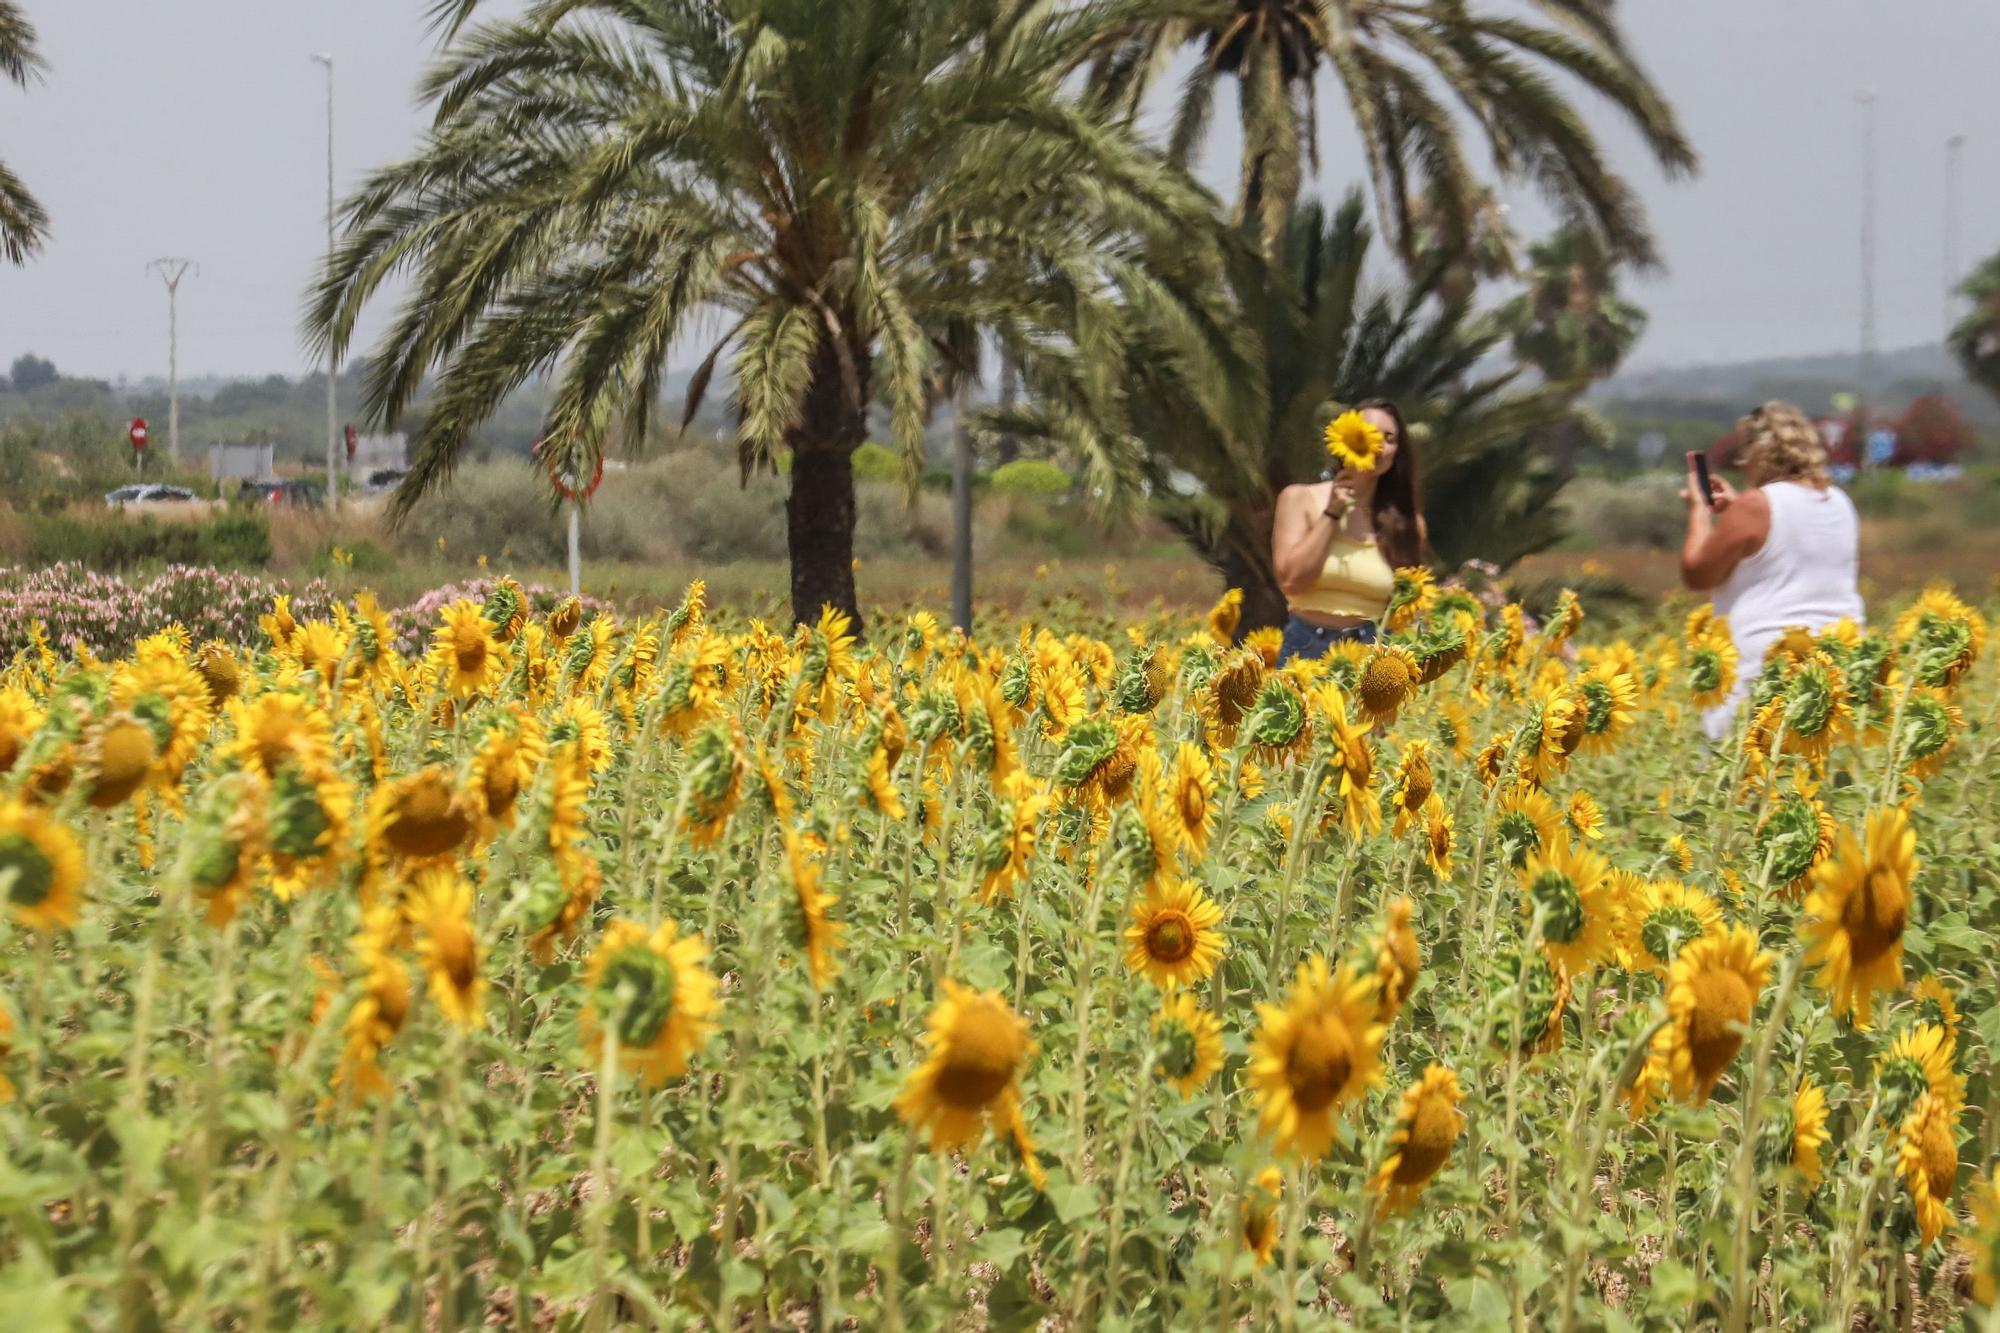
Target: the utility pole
pixel 332 357
pixel 171 272
pixel 961 503
pixel 1954 153
pixel 1866 97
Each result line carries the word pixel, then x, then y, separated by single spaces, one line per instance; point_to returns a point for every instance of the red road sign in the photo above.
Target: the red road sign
pixel 353 439
pixel 139 434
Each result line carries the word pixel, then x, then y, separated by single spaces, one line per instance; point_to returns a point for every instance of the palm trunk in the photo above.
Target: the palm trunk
pixel 1246 561
pixel 819 511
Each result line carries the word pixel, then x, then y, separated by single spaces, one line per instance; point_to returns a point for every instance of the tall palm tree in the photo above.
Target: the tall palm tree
pixel 1570 322
pixel 857 189
pixel 23 223
pixel 1976 340
pixel 1324 340
pixel 1401 66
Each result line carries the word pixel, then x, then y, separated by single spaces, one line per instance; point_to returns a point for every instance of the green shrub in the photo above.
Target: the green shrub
pixel 116 542
pixel 1887 493
pixel 363 557
pixel 877 462
pixel 1030 476
pixel 1644 510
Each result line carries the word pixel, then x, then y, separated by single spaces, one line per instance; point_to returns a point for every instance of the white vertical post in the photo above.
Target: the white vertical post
pixel 1866 97
pixel 575 549
pixel 332 358
pixel 1954 152
pixel 171 272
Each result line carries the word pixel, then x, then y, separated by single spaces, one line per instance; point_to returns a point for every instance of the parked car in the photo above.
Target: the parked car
pixel 148 493
pixel 126 495
pixel 384 479
pixel 298 493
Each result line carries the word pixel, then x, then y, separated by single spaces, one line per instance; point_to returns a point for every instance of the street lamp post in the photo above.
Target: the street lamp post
pixel 171 272
pixel 332 357
pixel 1954 153
pixel 1866 97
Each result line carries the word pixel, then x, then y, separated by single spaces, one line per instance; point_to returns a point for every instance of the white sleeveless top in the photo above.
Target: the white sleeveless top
pixel 1804 574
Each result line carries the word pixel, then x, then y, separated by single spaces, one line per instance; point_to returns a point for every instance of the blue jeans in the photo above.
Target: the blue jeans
pixel 1305 639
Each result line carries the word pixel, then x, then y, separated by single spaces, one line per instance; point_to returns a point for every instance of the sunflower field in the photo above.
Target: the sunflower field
pixel 578 971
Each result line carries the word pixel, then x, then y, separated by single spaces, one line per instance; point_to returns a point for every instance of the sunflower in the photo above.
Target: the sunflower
pixel 224 843
pixel 465 651
pixel 20 718
pixel 1354 805
pixel 310 806
pixel 1265 643
pixel 1816 711
pixel 423 818
pixel 439 905
pixel 278 625
pixel 1354 441
pixel 1427 1121
pixel 1857 911
pixel 1313 1054
pixel 1525 821
pixel 1062 704
pixel 118 759
pixel 1411 596
pixel 1918 1061
pixel 1189 1041
pixel 1711 665
pixel 812 931
pixel 1808 1129
pixel 379 1014
pixel 6 1050
pixel 1711 993
pixel 1260 1215
pixel 1679 853
pixel 714 773
pixel 276 729
pixel 1452 728
pixel 1388 678
pixel 1173 937
pixel 1585 819
pixel 650 988
pixel 1397 961
pixel 1438 838
pixel 1413 784
pixel 1983 1242
pixel 1007 848
pixel 1277 726
pixel 1793 838
pixel 1556 726
pixel 1665 917
pixel 1532 991
pixel 976 1048
pixel 1935 1005
pixel 41 867
pixel 1190 796
pixel 1225 616
pixel 1610 701
pixel 221 674
pixel 502 768
pixel 1927 1160
pixel 1569 888
pixel 1931 724
pixel 1493 758
pixel 580 720
pixel 161 690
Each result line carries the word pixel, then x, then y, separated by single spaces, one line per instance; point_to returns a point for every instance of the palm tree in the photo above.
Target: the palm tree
pixel 23 224
pixel 1976 340
pixel 1400 66
pixel 858 189
pixel 1489 490
pixel 1571 322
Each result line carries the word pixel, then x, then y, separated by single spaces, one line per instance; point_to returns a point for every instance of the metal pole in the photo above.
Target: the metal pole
pixel 575 549
pixel 1954 152
pixel 961 510
pixel 171 272
pixel 332 358
pixel 1867 99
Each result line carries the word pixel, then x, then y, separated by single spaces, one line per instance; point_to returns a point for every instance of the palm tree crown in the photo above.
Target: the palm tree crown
pixel 1976 340
pixel 857 189
pixel 23 223
pixel 1571 323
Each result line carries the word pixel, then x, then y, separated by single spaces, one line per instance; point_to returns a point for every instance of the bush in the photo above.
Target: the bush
pixel 1887 493
pixel 79 606
pixel 1032 477
pixel 876 462
pixel 115 542
pixel 1644 511
pixel 363 557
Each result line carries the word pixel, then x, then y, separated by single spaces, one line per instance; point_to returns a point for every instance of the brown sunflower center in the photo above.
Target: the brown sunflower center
pixel 468 648
pixel 456 955
pixel 978 1063
pixel 124 754
pixel 1170 937
pixel 1721 1006
pixel 502 785
pixel 1940 1154
pixel 11 744
pixel 424 819
pixel 29 872
pixel 1433 1125
pixel 1874 917
pixel 1193 805
pixel 1320 1063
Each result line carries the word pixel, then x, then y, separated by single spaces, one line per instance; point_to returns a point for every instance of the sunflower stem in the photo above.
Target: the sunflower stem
pixel 600 1174
pixel 136 1085
pixel 1115 1240
pixel 1745 1193
pixel 1080 1067
pixel 892 1268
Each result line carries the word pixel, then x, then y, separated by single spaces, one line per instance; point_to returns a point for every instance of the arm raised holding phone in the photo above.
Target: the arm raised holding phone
pixel 1725 527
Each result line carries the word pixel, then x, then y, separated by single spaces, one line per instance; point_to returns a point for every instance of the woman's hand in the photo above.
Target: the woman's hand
pixel 1340 497
pixel 1724 493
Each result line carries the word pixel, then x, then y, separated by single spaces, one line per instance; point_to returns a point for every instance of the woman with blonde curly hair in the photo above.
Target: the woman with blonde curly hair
pixel 1783 553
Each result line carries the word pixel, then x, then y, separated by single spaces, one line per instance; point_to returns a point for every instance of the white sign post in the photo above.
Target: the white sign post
pixel 575 549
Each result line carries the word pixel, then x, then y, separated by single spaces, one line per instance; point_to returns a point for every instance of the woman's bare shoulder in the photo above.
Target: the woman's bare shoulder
pixel 1300 493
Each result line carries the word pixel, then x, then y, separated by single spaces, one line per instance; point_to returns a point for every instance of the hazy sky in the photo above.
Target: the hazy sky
pixel 196 128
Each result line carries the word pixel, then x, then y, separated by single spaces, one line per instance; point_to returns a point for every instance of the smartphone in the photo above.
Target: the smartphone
pixel 1700 464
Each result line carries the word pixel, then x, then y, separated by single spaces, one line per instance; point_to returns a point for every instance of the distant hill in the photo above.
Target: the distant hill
pixel 1724 391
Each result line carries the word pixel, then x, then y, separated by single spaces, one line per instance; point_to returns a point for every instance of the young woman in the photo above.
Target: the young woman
pixel 1784 553
pixel 1336 542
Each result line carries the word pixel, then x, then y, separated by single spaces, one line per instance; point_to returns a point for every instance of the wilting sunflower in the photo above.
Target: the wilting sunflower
pixel 1667 916
pixel 439 905
pixel 1190 796
pixel 651 988
pixel 1313 1054
pixel 976 1047
pixel 1525 822
pixel 379 1014
pixel 1388 678
pixel 1711 993
pixel 815 935
pixel 1927 1160
pixel 1569 887
pixel 1354 441
pixel 1397 961
pixel 1260 1215
pixel 1585 819
pixel 1174 937
pixel 423 818
pixel 465 652
pixel 1857 911
pixel 1189 1041
pixel 225 841
pixel 1918 1061
pixel 1413 783
pixel 1711 666
pixel 1225 616
pixel 1931 724
pixel 1427 1121
pixel 41 867
pixel 1438 838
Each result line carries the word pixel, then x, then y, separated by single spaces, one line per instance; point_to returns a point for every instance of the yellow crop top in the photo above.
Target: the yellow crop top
pixel 1357 581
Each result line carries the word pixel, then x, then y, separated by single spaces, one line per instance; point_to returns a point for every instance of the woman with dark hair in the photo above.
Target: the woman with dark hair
pixel 1337 542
